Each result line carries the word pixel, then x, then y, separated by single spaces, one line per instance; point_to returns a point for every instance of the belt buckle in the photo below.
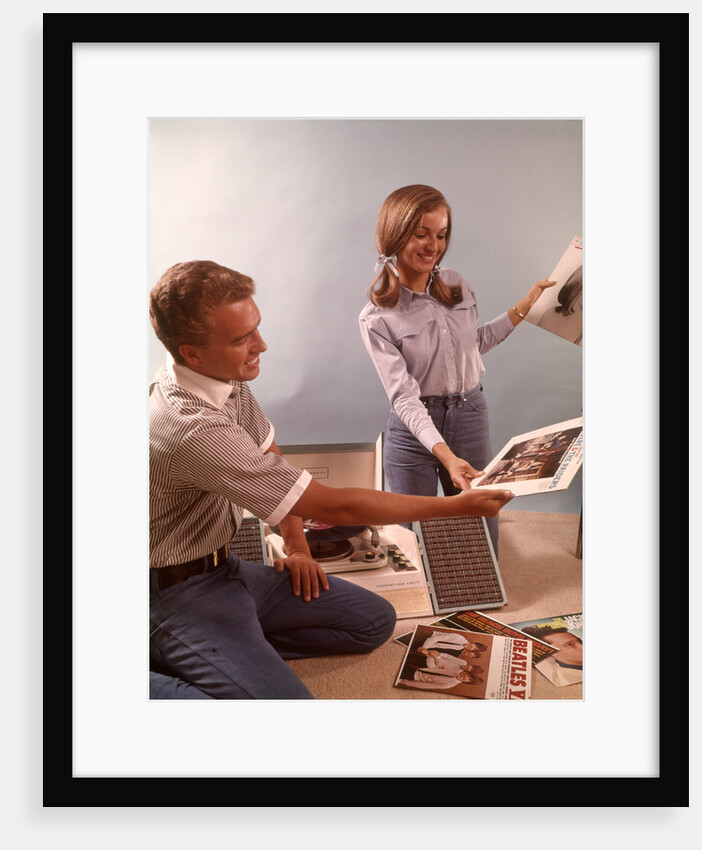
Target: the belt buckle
pixel 215 555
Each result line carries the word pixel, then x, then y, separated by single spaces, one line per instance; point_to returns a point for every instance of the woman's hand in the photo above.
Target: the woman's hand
pixel 462 473
pixel 540 285
pixel 522 307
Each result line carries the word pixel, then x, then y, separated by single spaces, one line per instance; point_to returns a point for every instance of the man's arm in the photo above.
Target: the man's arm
pixel 360 506
pixel 306 574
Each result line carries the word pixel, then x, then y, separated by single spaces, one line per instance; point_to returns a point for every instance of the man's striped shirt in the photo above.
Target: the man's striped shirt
pixel 209 460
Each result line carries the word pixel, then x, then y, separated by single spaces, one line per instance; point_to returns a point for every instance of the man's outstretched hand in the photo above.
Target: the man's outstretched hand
pixel 483 502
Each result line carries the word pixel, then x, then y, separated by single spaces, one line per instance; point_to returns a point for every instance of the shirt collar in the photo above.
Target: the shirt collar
pixel 407 296
pixel 210 390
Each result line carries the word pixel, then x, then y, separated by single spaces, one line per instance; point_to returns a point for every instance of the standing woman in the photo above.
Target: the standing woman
pixel 421 330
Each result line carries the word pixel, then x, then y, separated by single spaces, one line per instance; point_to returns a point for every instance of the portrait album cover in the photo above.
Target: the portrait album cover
pixel 565 634
pixel 559 308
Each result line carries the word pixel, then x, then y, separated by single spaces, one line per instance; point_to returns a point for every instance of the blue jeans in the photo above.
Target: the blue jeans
pixel 464 424
pixel 163 686
pixel 227 633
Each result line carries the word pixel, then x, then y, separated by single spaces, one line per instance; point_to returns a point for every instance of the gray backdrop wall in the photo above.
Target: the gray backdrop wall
pixel 293 203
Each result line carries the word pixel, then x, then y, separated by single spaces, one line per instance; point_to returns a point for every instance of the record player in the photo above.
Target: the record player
pixel 438 567
pixel 340 549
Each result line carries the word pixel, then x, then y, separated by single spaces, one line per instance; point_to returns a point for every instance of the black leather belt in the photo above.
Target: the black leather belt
pixel 446 400
pixel 450 400
pixel 174 574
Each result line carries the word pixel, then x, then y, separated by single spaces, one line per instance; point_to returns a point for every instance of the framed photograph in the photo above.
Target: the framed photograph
pixel 105 77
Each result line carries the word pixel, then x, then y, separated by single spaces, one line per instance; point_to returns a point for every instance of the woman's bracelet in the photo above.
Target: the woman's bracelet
pixel 521 315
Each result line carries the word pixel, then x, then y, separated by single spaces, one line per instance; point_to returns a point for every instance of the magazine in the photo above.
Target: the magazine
pixel 476 621
pixel 448 661
pixel 559 308
pixel 565 633
pixel 539 461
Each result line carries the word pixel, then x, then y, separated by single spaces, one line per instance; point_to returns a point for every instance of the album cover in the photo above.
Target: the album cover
pixel 476 621
pixel 457 662
pixel 565 634
pixel 559 308
pixel 539 461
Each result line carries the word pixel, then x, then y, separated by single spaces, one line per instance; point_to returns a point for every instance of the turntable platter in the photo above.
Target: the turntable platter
pixel 321 533
pixel 333 550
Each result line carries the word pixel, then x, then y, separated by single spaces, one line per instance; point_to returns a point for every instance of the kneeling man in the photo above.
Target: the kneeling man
pixel 221 627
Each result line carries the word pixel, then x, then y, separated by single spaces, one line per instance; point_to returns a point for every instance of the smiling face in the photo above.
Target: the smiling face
pixel 233 350
pixel 423 249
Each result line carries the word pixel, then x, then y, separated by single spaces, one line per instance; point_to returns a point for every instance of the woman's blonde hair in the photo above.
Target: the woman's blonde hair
pixel 399 217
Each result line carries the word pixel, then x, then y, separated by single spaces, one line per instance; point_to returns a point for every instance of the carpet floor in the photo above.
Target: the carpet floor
pixel 542 577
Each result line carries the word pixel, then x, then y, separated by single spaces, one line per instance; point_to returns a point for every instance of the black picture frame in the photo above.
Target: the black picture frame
pixel 670 32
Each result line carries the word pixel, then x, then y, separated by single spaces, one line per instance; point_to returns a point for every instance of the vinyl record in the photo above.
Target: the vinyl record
pixel 333 533
pixel 333 550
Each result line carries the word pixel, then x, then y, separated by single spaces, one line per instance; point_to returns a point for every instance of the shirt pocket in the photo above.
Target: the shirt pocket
pixel 464 316
pixel 408 327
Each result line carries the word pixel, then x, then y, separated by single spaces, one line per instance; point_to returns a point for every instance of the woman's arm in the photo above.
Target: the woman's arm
pixel 519 312
pixel 461 472
pixel 400 387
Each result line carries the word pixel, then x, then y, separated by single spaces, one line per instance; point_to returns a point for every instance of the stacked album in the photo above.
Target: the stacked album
pixel 476 666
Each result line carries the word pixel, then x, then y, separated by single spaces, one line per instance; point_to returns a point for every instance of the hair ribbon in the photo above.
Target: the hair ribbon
pixel 387 261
